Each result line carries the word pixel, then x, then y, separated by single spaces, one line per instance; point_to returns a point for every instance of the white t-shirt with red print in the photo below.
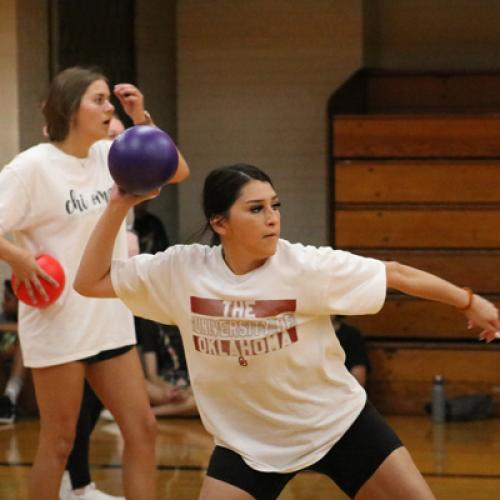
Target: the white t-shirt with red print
pixel 50 202
pixel 266 368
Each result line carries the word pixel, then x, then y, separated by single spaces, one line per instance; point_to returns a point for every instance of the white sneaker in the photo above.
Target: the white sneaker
pixel 90 492
pixel 65 488
pixel 107 415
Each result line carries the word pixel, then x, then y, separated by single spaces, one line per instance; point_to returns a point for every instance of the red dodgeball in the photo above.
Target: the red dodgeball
pixel 52 267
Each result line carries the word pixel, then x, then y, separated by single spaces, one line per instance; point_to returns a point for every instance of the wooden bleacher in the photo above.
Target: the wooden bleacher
pixel 415 177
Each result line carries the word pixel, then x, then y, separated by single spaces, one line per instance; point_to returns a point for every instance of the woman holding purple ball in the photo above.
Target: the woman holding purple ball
pixel 51 197
pixel 266 369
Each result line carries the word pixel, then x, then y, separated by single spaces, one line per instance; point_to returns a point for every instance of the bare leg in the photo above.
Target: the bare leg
pixel 59 393
pixel 213 489
pixel 396 479
pixel 119 384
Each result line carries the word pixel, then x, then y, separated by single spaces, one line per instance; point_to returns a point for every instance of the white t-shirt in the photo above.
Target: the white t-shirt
pixel 51 201
pixel 266 368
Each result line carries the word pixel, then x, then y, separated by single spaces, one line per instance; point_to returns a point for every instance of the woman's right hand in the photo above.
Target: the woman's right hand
pixel 26 270
pixel 118 196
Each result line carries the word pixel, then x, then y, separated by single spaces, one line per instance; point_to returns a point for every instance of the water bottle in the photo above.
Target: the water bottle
pixel 438 405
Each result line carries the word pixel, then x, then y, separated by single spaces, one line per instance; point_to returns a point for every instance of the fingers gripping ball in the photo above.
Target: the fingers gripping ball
pixel 52 267
pixel 142 159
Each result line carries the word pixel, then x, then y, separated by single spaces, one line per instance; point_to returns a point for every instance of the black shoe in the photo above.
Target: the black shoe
pixel 7 410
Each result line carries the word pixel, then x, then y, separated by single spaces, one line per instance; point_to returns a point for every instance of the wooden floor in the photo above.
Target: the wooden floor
pixel 461 461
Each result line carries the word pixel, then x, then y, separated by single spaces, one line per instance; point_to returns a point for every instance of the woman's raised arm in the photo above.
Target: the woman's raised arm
pixel 132 102
pixel 93 278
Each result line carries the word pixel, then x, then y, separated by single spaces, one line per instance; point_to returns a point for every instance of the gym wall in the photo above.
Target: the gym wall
pixel 253 81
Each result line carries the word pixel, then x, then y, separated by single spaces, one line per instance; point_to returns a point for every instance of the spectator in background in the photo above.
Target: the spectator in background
pixel 353 344
pixel 150 230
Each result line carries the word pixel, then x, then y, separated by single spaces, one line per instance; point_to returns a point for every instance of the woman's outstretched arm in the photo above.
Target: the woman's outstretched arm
pixel 479 311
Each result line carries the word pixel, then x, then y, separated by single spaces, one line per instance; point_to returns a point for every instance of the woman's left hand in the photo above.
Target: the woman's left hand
pixel 489 336
pixel 131 100
pixel 483 314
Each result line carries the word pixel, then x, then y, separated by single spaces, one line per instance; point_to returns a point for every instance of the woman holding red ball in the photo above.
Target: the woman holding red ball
pixel 51 196
pixel 34 298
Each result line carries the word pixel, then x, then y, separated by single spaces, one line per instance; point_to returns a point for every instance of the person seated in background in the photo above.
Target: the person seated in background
pixel 153 337
pixel 171 397
pixel 353 344
pixel 10 353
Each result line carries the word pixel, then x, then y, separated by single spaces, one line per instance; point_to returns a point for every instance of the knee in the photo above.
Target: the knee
pixel 59 441
pixel 64 446
pixel 143 430
pixel 150 427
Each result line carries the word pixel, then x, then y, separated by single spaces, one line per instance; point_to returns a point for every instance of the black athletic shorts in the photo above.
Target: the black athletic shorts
pixel 350 463
pixel 104 355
